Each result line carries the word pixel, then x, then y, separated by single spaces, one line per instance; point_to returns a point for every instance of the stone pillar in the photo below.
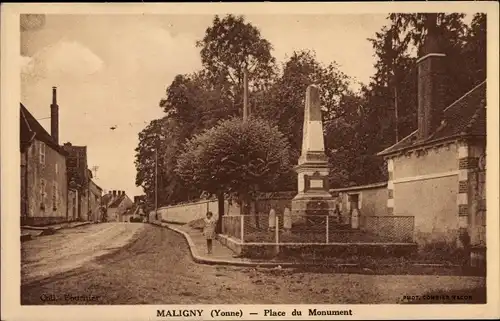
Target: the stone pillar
pixel 390 187
pixel 313 197
pixel 465 164
pixel 272 219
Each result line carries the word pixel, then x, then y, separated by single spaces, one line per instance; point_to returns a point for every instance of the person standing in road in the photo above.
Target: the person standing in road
pixel 209 230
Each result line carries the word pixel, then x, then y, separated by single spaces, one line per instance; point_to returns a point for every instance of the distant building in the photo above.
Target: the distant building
pixel 44 189
pixel 79 178
pixel 95 198
pixel 116 204
pixel 437 174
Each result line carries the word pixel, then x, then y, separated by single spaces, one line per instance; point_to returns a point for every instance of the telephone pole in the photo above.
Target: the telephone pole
pixel 245 95
pixel 156 183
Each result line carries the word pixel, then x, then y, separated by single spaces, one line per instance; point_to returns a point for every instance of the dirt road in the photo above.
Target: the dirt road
pixel 71 248
pixel 155 268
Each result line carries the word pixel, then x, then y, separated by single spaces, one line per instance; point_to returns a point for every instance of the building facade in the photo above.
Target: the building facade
pixel 95 195
pixel 79 178
pixel 370 200
pixel 116 204
pixel 437 173
pixel 44 189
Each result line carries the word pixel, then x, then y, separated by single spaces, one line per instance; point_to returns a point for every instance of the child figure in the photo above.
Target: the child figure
pixel 209 230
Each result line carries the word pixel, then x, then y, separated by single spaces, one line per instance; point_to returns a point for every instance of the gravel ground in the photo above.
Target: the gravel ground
pixel 155 267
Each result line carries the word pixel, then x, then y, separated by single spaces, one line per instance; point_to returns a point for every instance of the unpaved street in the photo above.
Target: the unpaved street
pixel 155 268
pixel 71 248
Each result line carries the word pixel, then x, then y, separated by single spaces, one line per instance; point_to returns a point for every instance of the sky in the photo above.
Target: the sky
pixel 112 71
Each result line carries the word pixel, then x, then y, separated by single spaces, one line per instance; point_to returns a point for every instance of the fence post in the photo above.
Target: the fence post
pixel 327 229
pixel 277 234
pixel 242 228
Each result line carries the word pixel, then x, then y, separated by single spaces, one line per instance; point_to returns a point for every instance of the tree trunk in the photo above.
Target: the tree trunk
pixel 220 203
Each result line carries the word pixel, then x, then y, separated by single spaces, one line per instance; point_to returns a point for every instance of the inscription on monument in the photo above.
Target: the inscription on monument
pixel 316 183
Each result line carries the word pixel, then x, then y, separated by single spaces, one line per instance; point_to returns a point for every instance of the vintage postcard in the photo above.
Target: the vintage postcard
pixel 254 161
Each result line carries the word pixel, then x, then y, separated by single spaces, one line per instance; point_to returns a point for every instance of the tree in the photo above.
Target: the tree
pixel 286 98
pixel 230 46
pixel 235 158
pixel 161 137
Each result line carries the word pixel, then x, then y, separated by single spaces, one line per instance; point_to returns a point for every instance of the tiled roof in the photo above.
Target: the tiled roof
pixel 117 201
pixel 32 125
pixel 27 134
pixel 106 198
pixel 465 117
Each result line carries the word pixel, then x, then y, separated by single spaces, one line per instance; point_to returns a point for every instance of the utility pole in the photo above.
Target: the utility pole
pixel 245 94
pixel 394 81
pixel 396 111
pixel 156 183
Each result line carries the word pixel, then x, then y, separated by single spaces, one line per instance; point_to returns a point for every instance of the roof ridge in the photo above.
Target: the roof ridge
pixel 26 120
pixel 399 142
pixel 465 95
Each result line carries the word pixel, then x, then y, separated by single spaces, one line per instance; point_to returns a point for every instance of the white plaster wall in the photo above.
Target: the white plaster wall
pixel 186 213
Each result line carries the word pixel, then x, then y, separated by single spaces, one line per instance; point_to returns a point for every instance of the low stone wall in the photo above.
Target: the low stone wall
pixel 372 198
pixel 185 213
pixel 299 251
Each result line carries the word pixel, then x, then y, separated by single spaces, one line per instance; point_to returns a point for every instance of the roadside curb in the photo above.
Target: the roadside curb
pixel 209 261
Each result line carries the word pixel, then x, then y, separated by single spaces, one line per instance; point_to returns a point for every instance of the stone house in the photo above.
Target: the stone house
pixel 116 203
pixel 44 189
pixel 437 173
pixel 95 195
pixel 79 178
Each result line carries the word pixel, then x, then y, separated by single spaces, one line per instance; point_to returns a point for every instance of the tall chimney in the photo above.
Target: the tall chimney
pixel 54 117
pixel 430 80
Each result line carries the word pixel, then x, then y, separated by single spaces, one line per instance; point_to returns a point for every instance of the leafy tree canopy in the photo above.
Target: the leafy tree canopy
pixel 235 157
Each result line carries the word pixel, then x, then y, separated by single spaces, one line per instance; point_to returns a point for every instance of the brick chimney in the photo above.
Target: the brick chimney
pixel 54 117
pixel 114 194
pixel 430 80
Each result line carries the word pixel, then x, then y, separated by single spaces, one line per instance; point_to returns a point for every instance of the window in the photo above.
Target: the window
pixel 55 196
pixel 42 192
pixel 57 169
pixel 42 153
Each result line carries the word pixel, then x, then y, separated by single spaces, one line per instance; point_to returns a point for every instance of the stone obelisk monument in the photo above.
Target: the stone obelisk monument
pixel 313 197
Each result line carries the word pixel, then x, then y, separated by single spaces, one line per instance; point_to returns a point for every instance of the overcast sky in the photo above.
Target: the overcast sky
pixel 112 70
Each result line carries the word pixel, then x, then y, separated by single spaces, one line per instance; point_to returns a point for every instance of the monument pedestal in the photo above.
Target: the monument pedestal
pixel 313 198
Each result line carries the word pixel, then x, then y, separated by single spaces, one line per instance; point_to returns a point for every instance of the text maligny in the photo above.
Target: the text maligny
pixel 217 313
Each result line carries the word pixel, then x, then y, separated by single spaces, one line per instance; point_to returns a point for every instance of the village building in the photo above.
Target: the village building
pixel 370 200
pixel 79 177
pixel 44 190
pixel 437 173
pixel 95 196
pixel 116 204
